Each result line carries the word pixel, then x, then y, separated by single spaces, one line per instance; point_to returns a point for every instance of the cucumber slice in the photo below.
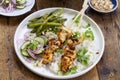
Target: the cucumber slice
pixel 7 1
pixel 21 1
pixel 40 51
pixel 25 45
pixel 20 7
pixel 40 40
pixel 25 53
pixel 45 40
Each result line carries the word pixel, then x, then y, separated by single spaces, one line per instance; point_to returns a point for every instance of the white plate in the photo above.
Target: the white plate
pixel 68 13
pixel 17 12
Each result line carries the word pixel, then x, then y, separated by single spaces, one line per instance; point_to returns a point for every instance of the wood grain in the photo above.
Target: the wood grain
pixel 108 68
pixel 4 54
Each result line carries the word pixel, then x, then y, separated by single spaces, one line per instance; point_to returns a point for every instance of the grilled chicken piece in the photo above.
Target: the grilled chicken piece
pixel 74 42
pixel 62 35
pixel 65 63
pixel 54 44
pixel 70 52
pixel 47 56
pixel 68 58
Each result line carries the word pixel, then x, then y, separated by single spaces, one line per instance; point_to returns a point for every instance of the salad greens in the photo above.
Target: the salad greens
pixel 81 57
pixel 33 47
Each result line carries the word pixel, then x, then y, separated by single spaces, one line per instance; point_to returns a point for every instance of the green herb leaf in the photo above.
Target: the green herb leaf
pixel 88 35
pixel 72 70
pixel 59 51
pixel 87 26
pixel 76 35
pixel 81 57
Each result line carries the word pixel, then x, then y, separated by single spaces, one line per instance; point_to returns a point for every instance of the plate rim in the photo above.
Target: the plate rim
pixel 61 77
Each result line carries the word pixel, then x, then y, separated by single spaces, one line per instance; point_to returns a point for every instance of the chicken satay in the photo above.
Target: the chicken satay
pixel 54 44
pixel 68 58
pixel 63 35
pixel 65 63
pixel 70 41
pixel 47 56
pixel 70 52
pixel 48 53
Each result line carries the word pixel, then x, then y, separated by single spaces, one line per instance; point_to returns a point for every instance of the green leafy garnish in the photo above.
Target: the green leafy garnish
pixel 76 35
pixel 72 70
pixel 33 45
pixel 88 35
pixel 81 57
pixel 59 51
pixel 87 26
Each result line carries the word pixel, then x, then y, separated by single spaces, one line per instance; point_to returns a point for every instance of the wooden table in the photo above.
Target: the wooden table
pixel 107 69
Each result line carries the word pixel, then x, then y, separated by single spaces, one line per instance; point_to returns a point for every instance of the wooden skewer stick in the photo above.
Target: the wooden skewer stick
pixel 84 7
pixel 66 29
pixel 82 12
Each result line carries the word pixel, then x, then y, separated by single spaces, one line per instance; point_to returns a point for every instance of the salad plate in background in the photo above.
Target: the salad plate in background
pixel 47 44
pixel 15 7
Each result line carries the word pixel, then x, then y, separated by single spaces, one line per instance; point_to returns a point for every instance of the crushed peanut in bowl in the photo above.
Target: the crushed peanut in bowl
pixel 102 5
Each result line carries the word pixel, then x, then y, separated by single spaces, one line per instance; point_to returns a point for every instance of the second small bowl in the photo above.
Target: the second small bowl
pixel 114 2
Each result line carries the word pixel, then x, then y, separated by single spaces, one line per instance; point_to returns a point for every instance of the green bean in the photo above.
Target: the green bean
pixel 34 19
pixel 62 20
pixel 55 13
pixel 31 25
pixel 58 12
pixel 39 19
pixel 47 21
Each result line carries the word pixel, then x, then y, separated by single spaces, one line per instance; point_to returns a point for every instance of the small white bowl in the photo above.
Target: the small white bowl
pixel 30 4
pixel 114 2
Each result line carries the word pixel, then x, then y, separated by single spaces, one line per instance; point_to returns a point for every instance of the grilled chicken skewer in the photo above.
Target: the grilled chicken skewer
pixel 69 56
pixel 53 45
pixel 48 53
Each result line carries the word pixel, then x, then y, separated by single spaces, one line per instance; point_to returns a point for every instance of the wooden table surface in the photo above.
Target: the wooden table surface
pixel 107 69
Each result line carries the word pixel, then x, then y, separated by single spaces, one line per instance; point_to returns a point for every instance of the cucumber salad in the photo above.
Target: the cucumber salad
pixel 11 5
pixel 62 50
